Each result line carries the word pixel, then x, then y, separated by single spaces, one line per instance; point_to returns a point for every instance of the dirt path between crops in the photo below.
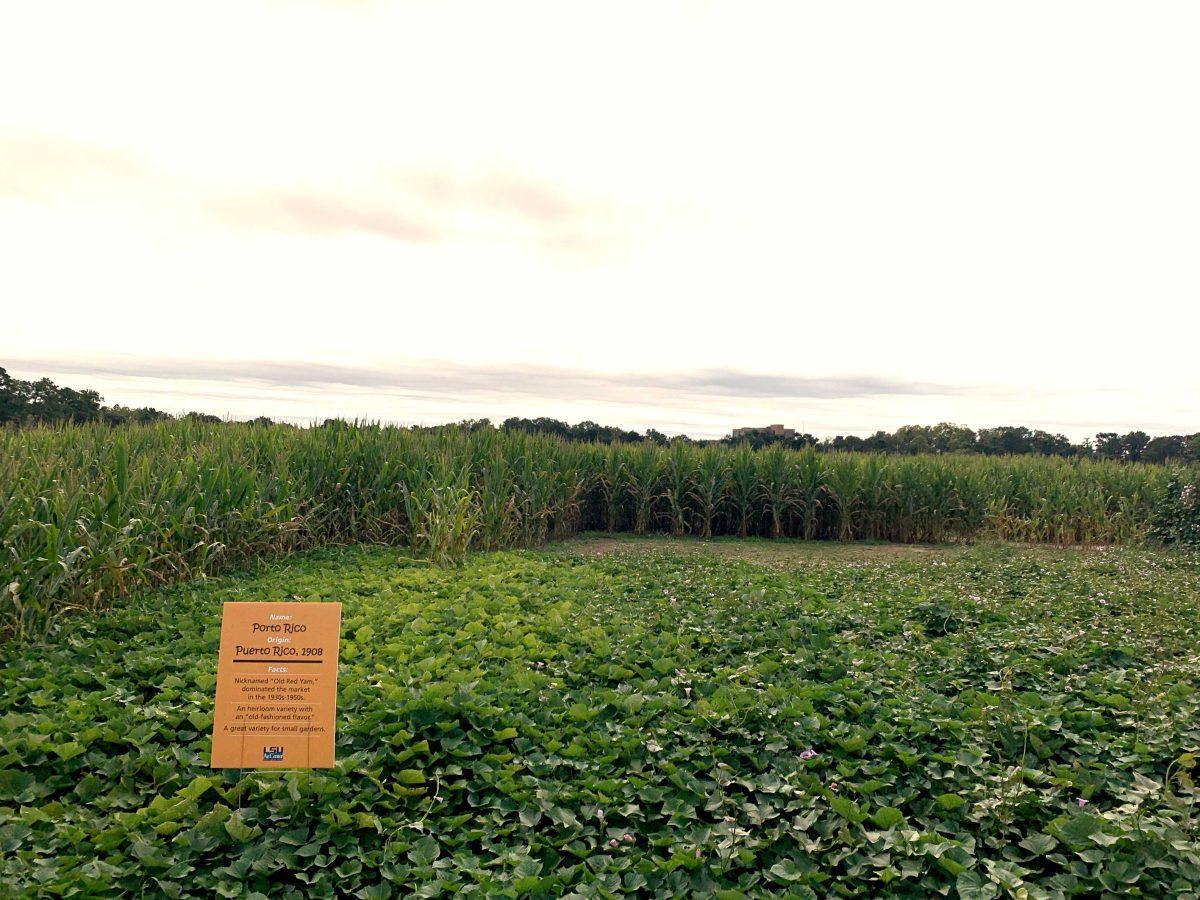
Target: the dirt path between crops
pixel 782 553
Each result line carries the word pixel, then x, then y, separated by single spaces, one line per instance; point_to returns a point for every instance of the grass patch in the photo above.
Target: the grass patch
pixel 776 552
pixel 975 721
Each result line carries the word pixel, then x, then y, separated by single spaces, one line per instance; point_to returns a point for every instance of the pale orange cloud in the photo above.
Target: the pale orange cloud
pixel 418 206
pixel 42 167
pixel 311 214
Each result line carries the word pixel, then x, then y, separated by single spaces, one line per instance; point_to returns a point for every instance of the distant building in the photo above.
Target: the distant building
pixel 777 430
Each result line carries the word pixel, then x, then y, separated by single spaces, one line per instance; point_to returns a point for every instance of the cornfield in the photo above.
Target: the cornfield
pixel 90 513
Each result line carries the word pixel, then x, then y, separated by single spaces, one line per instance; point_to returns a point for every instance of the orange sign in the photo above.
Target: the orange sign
pixel 276 686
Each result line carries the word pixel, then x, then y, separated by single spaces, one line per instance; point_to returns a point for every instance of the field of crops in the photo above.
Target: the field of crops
pixel 973 722
pixel 89 513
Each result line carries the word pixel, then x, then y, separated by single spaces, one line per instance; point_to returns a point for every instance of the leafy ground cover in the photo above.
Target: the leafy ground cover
pixel 976 722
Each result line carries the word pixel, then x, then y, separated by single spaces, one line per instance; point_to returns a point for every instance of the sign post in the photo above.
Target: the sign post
pixel 276 686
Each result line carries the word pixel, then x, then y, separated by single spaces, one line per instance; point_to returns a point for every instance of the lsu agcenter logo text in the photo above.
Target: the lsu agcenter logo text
pixel 272 753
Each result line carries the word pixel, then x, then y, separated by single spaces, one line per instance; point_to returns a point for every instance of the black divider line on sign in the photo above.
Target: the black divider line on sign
pixel 284 662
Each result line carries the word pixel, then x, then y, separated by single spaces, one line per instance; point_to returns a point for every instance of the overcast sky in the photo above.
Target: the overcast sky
pixel 839 216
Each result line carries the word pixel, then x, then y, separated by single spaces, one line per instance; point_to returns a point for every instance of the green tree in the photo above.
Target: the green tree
pixel 14 399
pixel 1005 440
pixel 1168 447
pixel 946 437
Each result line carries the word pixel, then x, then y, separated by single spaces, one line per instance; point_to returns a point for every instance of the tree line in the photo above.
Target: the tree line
pixel 908 440
pixel 43 401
